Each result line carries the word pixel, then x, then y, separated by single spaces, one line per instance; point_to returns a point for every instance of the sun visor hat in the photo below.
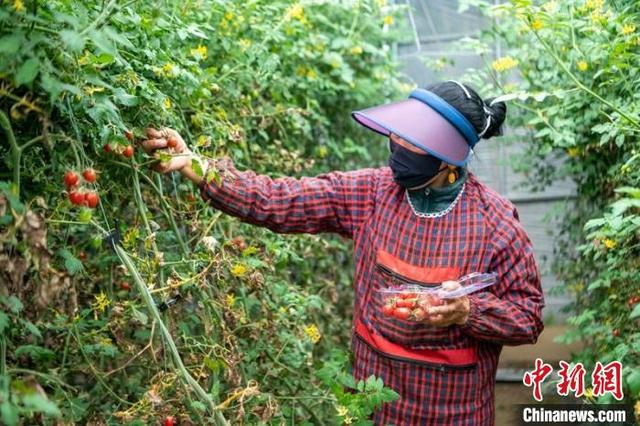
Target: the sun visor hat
pixel 426 121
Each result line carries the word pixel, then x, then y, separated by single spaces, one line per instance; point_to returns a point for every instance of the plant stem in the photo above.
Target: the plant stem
pixel 582 86
pixel 16 152
pixel 3 355
pixel 186 376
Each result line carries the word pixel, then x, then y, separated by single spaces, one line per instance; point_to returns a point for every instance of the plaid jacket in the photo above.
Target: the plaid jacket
pixel 445 376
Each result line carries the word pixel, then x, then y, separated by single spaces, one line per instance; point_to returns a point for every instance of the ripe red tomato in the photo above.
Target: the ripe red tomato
pixel 76 198
pixel 169 421
pixel 82 256
pixel 91 199
pixel 172 142
pixel 129 135
pixel 89 175
pixel 408 295
pixel 128 151
pixel 106 147
pixel 387 310
pixel 124 285
pixel 406 303
pixel 402 313
pixel 70 178
pixel 616 333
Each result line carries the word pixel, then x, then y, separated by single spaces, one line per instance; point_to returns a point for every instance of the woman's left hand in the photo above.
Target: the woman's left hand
pixel 452 311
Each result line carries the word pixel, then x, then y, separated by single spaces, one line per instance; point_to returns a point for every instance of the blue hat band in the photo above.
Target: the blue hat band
pixel 447 111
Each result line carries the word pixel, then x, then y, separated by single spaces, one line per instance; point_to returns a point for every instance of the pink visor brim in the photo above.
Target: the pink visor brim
pixel 420 125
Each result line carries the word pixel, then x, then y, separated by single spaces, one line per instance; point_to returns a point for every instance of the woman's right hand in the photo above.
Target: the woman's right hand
pixel 172 143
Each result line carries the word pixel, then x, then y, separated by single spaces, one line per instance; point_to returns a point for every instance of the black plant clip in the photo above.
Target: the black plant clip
pixel 113 238
pixel 169 302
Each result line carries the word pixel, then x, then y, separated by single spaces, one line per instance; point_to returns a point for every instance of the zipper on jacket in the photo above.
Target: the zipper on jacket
pixel 439 367
pixel 401 278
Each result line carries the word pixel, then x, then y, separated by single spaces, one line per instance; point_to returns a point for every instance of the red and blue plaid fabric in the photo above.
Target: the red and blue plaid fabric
pixel 445 376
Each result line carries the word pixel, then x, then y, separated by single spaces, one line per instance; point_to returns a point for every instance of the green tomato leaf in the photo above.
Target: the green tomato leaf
pixel 4 321
pixel 11 43
pixel 74 41
pixel 27 71
pixel 9 413
pixel 72 263
pixel 633 380
pixel 636 312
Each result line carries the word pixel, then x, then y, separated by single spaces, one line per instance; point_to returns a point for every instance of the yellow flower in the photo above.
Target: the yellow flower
pixel 504 64
pixel 167 103
pixel 578 287
pixel 230 299
pixel 609 243
pixel 90 90
pixel 588 393
pixel 229 15
pixel 238 270
pixel 295 12
pixel 301 71
pixel 18 5
pixel 244 44
pixel 312 74
pixel 388 20
pixel 583 66
pixel 356 50
pixel 169 70
pixel 348 420
pixel 323 152
pixel 203 141
pixel 594 4
pixel 100 303
pixel 313 333
pixel 537 25
pixel 573 151
pixel 628 29
pixel 637 409
pixel 200 52
pixel 342 410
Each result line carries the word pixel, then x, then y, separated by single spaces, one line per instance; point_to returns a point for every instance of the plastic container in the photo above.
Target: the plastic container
pixel 411 301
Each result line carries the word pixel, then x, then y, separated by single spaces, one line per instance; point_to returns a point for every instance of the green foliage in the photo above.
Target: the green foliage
pixel 356 400
pixel 572 69
pixel 249 315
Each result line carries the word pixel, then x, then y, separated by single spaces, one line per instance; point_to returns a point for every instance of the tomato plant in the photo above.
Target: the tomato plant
pixel 575 97
pixel 176 308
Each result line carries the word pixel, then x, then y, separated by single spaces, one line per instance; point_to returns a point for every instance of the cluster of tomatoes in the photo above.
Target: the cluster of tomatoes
pixel 126 151
pixel 77 195
pixel 409 306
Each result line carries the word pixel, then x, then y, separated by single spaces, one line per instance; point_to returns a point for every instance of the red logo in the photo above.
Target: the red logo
pixel 604 379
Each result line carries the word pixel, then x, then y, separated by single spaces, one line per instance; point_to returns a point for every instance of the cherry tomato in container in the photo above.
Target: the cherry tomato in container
pixel 387 309
pixel 402 313
pixel 407 303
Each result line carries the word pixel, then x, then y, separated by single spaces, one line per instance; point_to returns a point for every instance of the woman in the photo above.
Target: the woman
pixel 424 218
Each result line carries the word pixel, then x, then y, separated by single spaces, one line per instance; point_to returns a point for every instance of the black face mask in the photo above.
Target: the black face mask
pixel 411 169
